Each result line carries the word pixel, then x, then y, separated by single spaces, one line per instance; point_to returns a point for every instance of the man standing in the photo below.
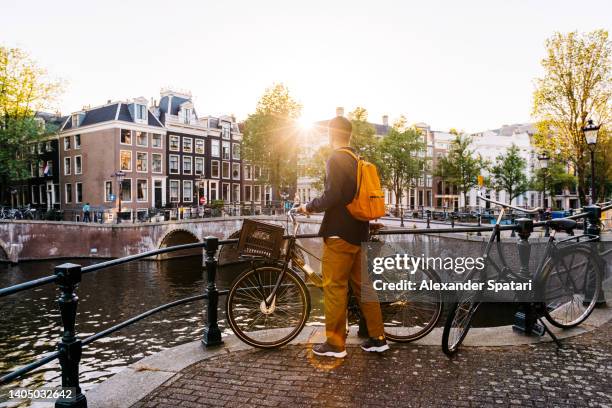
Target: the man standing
pixel 86 212
pixel 342 236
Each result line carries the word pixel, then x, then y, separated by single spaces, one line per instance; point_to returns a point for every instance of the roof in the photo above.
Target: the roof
pixel 108 113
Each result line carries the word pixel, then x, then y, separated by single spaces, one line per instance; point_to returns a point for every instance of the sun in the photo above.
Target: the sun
pixel 305 123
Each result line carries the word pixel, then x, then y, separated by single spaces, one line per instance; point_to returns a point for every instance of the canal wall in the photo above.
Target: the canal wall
pixel 35 240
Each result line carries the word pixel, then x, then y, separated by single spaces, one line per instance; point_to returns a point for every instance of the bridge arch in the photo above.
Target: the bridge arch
pixel 4 252
pixel 179 236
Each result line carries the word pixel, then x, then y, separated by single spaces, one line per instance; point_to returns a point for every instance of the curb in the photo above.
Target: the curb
pixel 138 379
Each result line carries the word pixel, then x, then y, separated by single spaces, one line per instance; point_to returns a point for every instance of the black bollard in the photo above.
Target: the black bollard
pixel 69 276
pixel 513 234
pixel 479 223
pixel 212 334
pixel 428 217
pixel 402 217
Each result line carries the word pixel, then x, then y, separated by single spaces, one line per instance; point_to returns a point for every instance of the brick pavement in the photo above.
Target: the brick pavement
pixel 408 375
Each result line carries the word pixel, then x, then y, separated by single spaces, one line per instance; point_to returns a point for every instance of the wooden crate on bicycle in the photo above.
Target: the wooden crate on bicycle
pixel 260 239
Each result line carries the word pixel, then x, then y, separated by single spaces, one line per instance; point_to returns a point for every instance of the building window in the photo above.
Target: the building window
pixel 141 112
pixel 247 172
pixel 56 193
pixel 126 136
pixel 67 143
pixel 126 190
pixel 225 170
pixel 41 169
pixel 77 141
pixel 75 120
pixel 213 191
pixel 225 151
pixel 68 191
pixel 142 162
pixel 174 143
pixel 156 140
pixel 78 165
pixel 156 162
pixel 225 192
pixel 187 191
pixel 214 148
pixel 187 144
pixel 49 169
pixel 187 164
pixel 214 168
pixel 247 193
pixel 67 165
pixel 225 130
pixel 236 193
pixel 257 193
pixel 186 115
pixel 199 165
pixel 43 194
pixel 108 190
pixel 235 151
pixel 257 172
pixel 79 192
pixel 141 139
pixel 268 192
pixel 49 146
pixel 141 190
pixel 199 146
pixel 173 164
pixel 34 194
pixel 125 160
pixel 236 171
pixel 174 191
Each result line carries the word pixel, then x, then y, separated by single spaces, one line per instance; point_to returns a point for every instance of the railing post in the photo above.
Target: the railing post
pixel 212 334
pixel 453 219
pixel 479 223
pixel 402 217
pixel 428 217
pixel 593 228
pixel 69 275
pixel 513 234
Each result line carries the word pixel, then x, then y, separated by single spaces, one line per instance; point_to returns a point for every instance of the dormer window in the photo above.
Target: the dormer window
pixel 141 112
pixel 76 120
pixel 187 115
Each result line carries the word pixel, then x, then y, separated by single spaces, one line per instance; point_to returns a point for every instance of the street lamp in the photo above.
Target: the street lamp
pixel 119 176
pixel 543 158
pixel 590 134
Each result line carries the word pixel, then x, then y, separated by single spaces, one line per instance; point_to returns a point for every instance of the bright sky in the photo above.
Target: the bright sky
pixel 463 64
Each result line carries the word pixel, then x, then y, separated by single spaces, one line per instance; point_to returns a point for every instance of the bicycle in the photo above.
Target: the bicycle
pixel 268 305
pixel 561 288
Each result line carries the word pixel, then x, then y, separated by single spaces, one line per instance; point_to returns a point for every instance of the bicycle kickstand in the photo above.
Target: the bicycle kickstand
pixel 551 334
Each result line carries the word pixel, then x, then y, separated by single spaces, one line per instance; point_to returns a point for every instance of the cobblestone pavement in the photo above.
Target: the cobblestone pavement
pixel 540 376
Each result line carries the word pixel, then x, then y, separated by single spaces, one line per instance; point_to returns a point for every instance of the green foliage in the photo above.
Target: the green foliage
pixel 270 137
pixel 461 166
pixel 556 176
pixel 509 173
pixel 401 160
pixel 576 86
pixel 315 166
pixel 363 138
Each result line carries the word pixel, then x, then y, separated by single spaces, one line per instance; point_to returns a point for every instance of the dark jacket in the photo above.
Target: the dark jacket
pixel 340 189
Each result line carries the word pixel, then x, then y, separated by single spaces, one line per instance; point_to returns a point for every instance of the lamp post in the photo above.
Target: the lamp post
pixel 590 134
pixel 119 176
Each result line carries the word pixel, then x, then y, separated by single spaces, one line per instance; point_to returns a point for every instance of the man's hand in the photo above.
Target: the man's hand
pixel 375 226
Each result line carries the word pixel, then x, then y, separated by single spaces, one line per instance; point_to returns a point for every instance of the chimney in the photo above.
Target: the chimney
pixel 386 120
pixel 339 111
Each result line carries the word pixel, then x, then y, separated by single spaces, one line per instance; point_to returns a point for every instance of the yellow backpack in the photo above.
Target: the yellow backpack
pixel 369 201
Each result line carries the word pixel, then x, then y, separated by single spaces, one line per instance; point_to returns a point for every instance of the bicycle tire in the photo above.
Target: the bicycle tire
pixel 431 321
pixel 450 346
pixel 545 286
pixel 241 284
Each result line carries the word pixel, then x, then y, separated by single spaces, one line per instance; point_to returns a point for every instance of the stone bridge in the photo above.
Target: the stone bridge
pixel 35 240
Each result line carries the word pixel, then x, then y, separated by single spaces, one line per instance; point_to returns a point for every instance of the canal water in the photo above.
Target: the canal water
pixel 31 326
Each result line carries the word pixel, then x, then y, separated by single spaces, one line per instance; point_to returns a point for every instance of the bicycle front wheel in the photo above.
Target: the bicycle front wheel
pixel 272 324
pixel 570 286
pixel 412 314
pixel 457 325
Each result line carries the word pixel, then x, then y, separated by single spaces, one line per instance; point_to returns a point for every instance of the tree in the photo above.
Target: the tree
pixel 556 176
pixel 315 166
pixel 576 86
pixel 24 90
pixel 270 134
pixel 460 166
pixel 363 138
pixel 401 160
pixel 509 173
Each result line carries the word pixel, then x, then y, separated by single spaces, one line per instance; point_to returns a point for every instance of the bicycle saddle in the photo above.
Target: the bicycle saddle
pixel 562 224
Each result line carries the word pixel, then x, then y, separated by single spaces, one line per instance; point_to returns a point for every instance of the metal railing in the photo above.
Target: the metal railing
pixel 67 276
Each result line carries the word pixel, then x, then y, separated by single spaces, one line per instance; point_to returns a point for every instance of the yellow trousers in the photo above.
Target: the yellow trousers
pixel 341 266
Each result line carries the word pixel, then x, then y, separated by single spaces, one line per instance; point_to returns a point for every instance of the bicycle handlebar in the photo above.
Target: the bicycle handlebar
pixel 525 210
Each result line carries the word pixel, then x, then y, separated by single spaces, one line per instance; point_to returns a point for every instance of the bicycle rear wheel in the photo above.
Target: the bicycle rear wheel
pixel 570 285
pixel 273 325
pixel 414 313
